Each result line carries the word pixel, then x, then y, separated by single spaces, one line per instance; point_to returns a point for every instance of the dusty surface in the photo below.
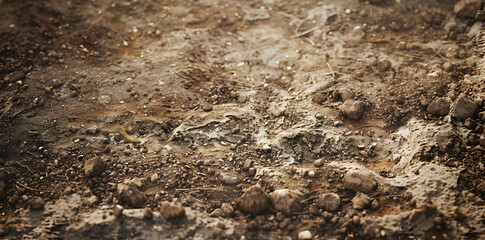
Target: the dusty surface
pixel 173 109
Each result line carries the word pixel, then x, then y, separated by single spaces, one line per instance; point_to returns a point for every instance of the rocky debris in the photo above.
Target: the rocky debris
pixel 256 14
pixel 318 163
pixel 481 116
pixel 361 201
pixel 36 203
pixel 304 235
pixel 227 210
pixel 94 167
pixel 346 94
pixel 254 200
pixel 352 109
pixel 229 179
pixel 439 107
pixel 154 177
pixel 466 8
pixel 448 67
pixel 482 142
pixel 67 190
pixel 131 196
pixel 118 210
pixel 383 65
pixel 172 210
pixel 247 164
pixel 139 182
pixel 92 130
pixel 207 107
pixel 328 201
pixel 287 201
pixel 360 181
pixel 463 108
pixel 470 124
pixel 90 201
pixel 147 214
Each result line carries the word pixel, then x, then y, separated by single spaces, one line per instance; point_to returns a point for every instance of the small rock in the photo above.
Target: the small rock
pixel 463 108
pixel 448 67
pixel 94 167
pixel 359 181
pixel 374 204
pixel 92 130
pixel 207 107
pixel 318 163
pixel 154 177
pixel 254 200
pixel 36 203
pixel 361 200
pixel 227 210
pixel 466 8
pixel 304 235
pixel 481 116
pixel 473 140
pixel 256 14
pixel 148 214
pixel 328 201
pixel 439 107
pixel 470 124
pixel 352 109
pixel 313 209
pixel 139 182
pixel 118 210
pixel 346 94
pixel 216 213
pixel 172 210
pixel 91 200
pixel 383 65
pixel 287 201
pixel 67 190
pixel 130 195
pixel 228 179
pixel 247 164
pixel 482 142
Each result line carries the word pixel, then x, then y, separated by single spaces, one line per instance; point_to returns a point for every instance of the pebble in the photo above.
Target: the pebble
pixel 90 201
pixel 286 201
pixel 470 124
pixel 304 235
pixel 130 195
pixel 227 210
pixel 318 163
pixel 118 210
pixel 154 177
pixel 481 116
pixel 254 200
pixel 92 130
pixel 172 210
pixel 359 181
pixel 439 107
pixel 148 214
pixel 361 200
pixel 139 182
pixel 328 201
pixel 463 108
pixel 207 107
pixel 36 203
pixel 352 109
pixel 466 9
pixel 229 179
pixel 383 65
pixel 94 167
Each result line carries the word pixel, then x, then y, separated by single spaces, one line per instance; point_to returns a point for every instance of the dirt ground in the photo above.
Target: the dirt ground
pixel 225 119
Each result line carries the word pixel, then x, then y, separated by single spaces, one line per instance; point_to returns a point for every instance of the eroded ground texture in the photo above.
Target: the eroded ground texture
pixel 226 119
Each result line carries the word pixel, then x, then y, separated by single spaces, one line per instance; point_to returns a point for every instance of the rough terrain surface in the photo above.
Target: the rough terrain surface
pixel 225 119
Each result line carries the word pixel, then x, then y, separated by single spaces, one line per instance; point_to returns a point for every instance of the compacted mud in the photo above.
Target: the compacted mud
pixel 224 119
